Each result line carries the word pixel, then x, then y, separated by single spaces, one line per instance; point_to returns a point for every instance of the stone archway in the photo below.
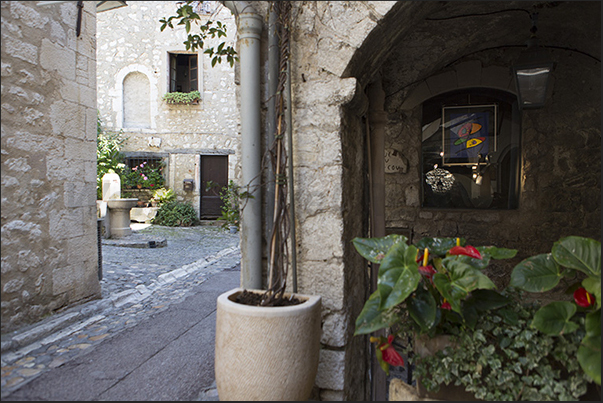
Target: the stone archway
pixel 419 51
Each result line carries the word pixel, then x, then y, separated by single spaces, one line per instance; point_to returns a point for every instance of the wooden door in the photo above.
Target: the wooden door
pixel 214 169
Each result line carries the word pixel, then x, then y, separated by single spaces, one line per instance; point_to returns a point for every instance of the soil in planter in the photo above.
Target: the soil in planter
pixel 254 299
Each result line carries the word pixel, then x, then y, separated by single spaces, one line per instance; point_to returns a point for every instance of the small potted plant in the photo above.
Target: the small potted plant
pixel 161 196
pixel 182 98
pixel 463 331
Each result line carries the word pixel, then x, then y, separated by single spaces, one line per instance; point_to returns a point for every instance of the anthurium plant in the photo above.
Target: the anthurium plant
pixel 435 283
pixel 576 258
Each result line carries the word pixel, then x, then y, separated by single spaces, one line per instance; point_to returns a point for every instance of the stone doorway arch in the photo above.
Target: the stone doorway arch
pixel 417 50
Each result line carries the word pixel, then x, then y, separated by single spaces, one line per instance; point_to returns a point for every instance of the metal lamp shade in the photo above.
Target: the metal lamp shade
pixel 532 74
pixel 109 5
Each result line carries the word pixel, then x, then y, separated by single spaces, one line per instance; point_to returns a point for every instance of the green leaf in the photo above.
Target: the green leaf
pixel 593 285
pixel 470 316
pixel 485 300
pixel 536 274
pixel 589 353
pixel 554 318
pixel 437 246
pixel 374 249
pixel 509 316
pixel 479 264
pixel 372 318
pixel 422 308
pixel 497 253
pixel 583 254
pixel 463 279
pixel 398 275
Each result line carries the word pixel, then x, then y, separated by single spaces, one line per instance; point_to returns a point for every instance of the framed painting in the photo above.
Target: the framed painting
pixel 468 133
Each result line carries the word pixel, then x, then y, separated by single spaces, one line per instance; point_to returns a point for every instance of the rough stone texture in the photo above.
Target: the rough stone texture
pixel 130 45
pixel 49 241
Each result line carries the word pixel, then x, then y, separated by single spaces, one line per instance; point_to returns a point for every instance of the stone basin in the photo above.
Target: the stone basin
pixel 121 203
pixel 119 216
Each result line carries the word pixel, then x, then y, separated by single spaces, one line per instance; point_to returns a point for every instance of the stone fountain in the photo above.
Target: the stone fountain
pixel 116 209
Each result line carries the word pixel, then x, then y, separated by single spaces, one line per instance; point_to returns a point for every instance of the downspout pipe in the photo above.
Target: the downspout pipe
pixel 249 28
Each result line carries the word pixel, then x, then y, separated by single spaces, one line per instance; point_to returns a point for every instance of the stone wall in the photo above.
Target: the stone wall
pixel 331 194
pixel 130 43
pixel 49 229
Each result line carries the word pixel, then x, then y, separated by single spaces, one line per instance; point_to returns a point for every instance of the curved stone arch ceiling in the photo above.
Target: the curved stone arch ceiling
pixel 416 40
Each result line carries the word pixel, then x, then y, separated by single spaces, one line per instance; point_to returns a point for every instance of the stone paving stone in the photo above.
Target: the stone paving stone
pixel 132 291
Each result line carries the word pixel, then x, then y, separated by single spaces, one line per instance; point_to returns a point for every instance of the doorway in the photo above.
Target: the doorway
pixel 214 177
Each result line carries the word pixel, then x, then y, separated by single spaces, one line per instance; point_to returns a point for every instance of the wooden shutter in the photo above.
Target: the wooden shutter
pixel 193 73
pixel 173 64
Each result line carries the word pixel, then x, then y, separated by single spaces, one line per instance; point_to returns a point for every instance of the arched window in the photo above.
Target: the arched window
pixel 470 150
pixel 136 101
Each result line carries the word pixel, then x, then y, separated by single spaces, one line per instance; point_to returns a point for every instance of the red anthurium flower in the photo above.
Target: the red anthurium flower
pixel 583 297
pixel 388 353
pixel 465 250
pixel 446 305
pixel 428 271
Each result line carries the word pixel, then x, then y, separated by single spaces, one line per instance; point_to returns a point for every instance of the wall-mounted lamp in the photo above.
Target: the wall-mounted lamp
pixel 532 72
pixel 100 7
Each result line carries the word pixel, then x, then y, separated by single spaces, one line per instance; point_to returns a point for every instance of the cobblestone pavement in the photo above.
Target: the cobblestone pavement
pixel 137 283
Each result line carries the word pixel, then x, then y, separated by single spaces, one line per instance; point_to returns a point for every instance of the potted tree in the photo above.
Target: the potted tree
pixel 267 341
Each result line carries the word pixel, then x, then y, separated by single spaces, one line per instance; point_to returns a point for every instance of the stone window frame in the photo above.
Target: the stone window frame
pixel 119 97
pixel 172 55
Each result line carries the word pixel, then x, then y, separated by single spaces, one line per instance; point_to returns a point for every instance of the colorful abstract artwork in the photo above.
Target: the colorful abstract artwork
pixel 469 135
pixel 468 132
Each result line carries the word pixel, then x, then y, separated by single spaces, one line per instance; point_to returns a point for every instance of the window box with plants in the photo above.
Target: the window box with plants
pixel 182 98
pixel 465 335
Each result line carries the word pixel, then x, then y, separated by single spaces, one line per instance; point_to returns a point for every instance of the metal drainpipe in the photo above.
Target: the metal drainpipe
pixel 249 28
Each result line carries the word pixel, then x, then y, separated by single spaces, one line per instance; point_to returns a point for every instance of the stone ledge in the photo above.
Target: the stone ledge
pixel 136 241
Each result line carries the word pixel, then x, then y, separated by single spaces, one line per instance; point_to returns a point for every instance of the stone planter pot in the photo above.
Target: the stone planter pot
pixel 266 353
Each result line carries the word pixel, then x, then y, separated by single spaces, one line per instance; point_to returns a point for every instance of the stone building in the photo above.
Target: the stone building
pixel 373 87
pixel 49 227
pixel 136 65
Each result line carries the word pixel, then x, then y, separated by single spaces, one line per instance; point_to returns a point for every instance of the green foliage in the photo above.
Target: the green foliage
pixel 420 293
pixel 176 214
pixel 505 359
pixel 182 97
pixel 163 195
pixel 186 16
pixel 108 154
pixel 231 197
pixel 145 175
pixel 570 256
